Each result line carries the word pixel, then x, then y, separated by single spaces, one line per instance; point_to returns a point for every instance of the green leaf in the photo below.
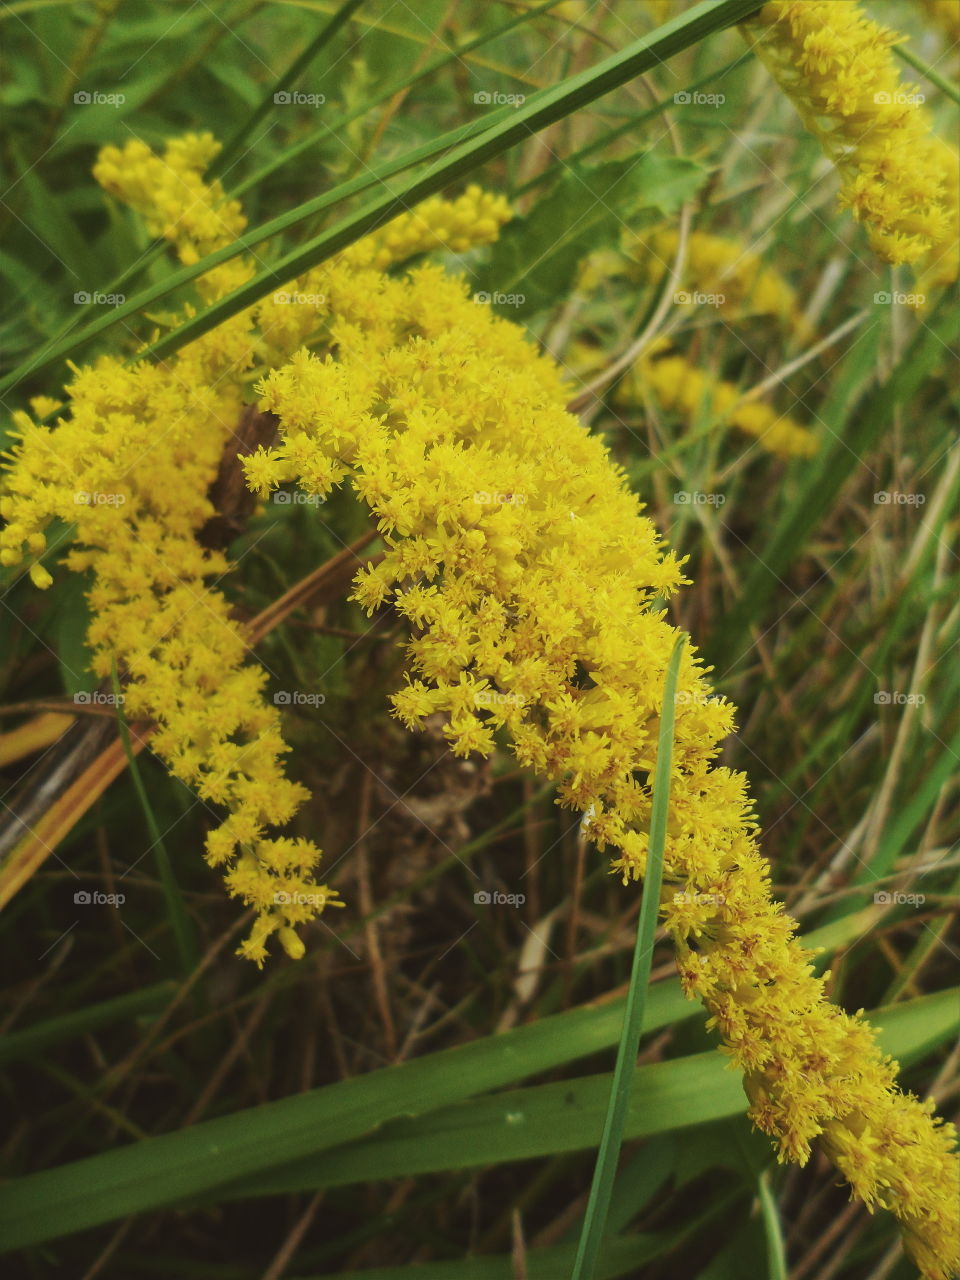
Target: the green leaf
pixel 289 1141
pixel 536 257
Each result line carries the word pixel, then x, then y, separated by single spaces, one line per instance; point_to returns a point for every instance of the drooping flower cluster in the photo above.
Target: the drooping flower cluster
pixel 681 387
pixel 129 465
pixel 530 580
pixel 898 178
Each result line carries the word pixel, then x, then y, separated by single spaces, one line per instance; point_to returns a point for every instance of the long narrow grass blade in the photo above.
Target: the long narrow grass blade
pixel 287 78
pixel 595 1219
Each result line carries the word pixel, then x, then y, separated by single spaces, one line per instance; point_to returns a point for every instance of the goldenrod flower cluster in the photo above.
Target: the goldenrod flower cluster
pixel 529 577
pixel 720 267
pixel 533 586
pixel 171 194
pixel 836 66
pixel 129 466
pixel 681 387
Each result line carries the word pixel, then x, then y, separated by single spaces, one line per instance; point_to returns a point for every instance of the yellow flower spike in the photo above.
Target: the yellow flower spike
pixel 835 65
pixel 588 567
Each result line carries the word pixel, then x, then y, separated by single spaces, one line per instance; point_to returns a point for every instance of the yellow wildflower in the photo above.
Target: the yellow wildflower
pixel 835 64
pixel 521 559
pixel 681 387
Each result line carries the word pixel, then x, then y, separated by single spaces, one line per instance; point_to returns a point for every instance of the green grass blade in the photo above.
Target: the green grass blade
pixel 79 1022
pixel 287 78
pixel 776 1252
pixel 189 1162
pixel 595 1218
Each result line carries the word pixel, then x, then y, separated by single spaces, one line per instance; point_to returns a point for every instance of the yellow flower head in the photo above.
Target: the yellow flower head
pixel 836 66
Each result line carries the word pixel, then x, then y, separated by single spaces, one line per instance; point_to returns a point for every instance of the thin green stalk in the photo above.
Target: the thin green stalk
pixel 182 930
pixel 287 78
pixel 595 1219
pixel 942 83
pixel 776 1254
